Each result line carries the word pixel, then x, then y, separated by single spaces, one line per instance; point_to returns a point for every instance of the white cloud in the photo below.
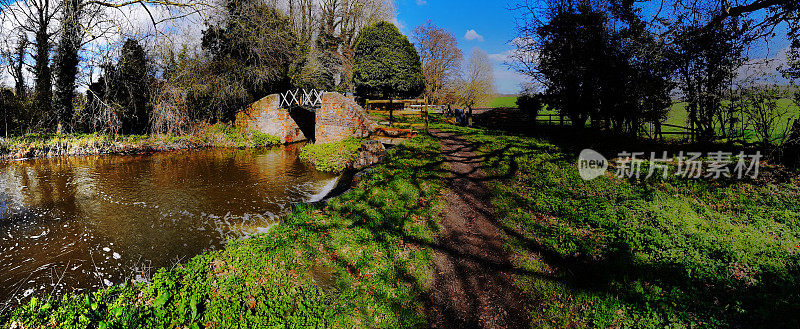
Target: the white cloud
pixel 422 2
pixel 472 35
pixel 502 57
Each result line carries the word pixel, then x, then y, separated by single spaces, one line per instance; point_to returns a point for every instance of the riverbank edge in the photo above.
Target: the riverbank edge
pixel 364 281
pixel 38 146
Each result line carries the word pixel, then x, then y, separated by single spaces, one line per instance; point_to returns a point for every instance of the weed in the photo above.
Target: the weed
pixel 47 145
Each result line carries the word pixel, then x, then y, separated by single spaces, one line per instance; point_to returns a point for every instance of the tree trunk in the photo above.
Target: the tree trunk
pixel 391 113
pixel 19 78
pixel 44 82
pixel 67 64
pixel 5 114
pixel 425 112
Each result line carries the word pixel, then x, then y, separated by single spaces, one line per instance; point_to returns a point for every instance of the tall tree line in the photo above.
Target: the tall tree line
pixel 248 49
pixel 50 36
pixel 606 61
pixel 254 48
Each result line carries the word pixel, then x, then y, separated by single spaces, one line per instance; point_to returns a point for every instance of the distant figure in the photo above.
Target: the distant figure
pixel 460 116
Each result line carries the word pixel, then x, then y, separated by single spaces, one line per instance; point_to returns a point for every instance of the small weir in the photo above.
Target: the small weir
pixel 82 223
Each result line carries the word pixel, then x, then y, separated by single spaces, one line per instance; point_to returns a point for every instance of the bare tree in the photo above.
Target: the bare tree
pixel 476 86
pixel 767 15
pixel 344 19
pixel 3 62
pixel 36 18
pixel 764 115
pixel 83 15
pixel 438 50
pixel 16 61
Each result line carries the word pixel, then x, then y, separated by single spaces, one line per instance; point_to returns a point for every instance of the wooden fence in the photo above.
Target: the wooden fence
pixel 552 119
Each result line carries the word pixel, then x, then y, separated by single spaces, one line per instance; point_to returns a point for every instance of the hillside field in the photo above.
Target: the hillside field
pixel 503 101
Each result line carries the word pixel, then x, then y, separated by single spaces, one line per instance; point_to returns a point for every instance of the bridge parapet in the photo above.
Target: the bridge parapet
pixel 301 98
pixel 341 117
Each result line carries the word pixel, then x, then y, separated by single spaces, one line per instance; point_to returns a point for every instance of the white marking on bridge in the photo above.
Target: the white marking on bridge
pixel 302 97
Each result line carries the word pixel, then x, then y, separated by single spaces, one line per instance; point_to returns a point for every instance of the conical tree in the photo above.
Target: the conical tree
pixel 386 64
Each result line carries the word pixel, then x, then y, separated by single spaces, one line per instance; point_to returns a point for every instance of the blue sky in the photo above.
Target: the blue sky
pixel 489 25
pixel 491 21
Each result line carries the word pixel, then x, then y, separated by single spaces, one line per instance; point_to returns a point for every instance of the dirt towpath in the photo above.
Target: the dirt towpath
pixel 472 284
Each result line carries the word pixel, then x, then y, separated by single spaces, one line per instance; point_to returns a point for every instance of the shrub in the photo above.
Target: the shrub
pixel 530 104
pixel 261 139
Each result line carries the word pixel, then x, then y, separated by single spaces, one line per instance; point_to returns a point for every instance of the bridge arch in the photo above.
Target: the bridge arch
pixel 295 116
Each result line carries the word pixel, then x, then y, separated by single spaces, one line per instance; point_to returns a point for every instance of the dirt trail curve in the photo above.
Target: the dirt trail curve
pixel 472 287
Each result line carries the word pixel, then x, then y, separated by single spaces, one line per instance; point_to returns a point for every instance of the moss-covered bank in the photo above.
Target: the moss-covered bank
pixel 51 145
pixel 331 157
pixel 355 262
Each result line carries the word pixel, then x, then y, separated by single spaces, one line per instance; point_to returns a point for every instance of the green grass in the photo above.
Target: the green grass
pixel 46 145
pixel 678 116
pixel 503 101
pixel 231 136
pixel 353 263
pixel 664 253
pixel 331 157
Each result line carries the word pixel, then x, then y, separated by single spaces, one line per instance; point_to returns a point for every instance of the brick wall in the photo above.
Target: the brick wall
pixel 341 117
pixel 266 116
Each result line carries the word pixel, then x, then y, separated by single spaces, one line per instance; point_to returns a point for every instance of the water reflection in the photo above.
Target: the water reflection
pixel 71 224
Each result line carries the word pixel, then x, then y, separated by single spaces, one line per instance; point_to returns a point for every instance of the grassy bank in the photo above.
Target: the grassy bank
pixel 352 263
pixel 51 145
pixel 667 253
pixel 331 157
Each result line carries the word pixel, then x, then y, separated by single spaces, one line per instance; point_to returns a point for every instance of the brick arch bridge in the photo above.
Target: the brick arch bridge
pixel 330 117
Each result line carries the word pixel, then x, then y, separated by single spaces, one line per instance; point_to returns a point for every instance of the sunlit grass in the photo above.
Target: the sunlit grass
pixel 331 157
pixel 678 116
pixel 654 254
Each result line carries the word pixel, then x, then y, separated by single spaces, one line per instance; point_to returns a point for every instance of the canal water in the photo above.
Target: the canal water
pixel 81 223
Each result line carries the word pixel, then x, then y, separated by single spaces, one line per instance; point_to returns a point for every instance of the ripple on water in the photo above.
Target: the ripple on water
pixel 81 223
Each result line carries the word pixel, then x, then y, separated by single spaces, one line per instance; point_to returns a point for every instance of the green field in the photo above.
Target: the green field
pixel 504 101
pixel 678 116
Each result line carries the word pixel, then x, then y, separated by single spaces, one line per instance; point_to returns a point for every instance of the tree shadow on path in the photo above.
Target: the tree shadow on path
pixel 473 275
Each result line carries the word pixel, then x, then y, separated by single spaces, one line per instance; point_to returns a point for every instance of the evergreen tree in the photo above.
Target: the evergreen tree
pixel 130 86
pixel 386 64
